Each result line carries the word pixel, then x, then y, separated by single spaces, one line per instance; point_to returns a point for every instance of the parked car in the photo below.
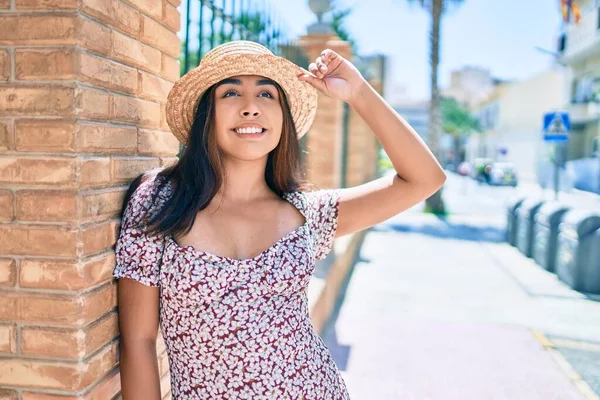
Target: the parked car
pixel 478 172
pixel 502 173
pixel 465 169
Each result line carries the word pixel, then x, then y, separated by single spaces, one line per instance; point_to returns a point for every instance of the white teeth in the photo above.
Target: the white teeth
pixel 249 130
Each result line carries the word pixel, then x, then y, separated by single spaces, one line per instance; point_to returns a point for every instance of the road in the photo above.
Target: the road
pixel 445 309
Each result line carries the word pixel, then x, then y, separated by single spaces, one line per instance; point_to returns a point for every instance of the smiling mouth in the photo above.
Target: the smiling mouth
pixel 249 131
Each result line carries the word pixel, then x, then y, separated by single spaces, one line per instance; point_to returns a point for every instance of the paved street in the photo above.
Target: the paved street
pixel 445 309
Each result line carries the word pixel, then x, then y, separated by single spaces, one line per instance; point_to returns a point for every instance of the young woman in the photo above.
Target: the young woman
pixel 219 248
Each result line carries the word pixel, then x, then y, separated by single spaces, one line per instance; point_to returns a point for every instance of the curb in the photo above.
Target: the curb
pixel 566 367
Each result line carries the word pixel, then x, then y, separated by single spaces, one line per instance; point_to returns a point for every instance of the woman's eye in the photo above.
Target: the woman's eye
pixel 267 93
pixel 228 93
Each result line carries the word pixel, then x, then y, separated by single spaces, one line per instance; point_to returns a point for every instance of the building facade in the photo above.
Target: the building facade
pixel 579 50
pixel 511 119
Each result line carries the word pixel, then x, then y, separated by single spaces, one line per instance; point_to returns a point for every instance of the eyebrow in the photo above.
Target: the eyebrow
pixel 234 81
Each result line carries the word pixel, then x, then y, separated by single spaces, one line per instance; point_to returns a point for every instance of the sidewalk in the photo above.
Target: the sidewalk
pixel 444 310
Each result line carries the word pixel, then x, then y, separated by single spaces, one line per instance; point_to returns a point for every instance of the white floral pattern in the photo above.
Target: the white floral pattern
pixel 237 329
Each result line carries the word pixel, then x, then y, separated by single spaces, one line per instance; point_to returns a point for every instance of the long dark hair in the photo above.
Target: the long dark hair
pixel 197 176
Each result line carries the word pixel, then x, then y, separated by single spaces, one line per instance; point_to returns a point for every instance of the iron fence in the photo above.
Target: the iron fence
pixel 209 23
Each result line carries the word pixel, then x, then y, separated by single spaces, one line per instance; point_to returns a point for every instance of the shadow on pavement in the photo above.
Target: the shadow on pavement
pixel 340 352
pixel 448 230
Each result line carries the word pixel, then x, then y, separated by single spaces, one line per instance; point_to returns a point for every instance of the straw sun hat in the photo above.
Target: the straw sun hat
pixel 239 58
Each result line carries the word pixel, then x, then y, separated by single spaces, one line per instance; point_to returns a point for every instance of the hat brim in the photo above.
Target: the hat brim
pixel 183 98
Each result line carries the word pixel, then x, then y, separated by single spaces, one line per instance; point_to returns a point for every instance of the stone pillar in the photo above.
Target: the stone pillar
pixel 83 85
pixel 324 140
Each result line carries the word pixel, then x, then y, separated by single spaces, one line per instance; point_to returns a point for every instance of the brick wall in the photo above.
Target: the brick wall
pixel 82 90
pixel 324 140
pixel 362 147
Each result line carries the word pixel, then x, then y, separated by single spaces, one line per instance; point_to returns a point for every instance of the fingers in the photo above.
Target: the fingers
pixel 320 67
pixel 314 81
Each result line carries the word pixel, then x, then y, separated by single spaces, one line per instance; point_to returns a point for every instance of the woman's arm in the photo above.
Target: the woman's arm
pixel 419 175
pixel 138 323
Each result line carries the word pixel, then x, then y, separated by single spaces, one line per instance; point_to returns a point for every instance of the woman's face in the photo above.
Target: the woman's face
pixel 248 117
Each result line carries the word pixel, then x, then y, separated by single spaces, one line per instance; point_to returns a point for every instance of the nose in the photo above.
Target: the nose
pixel 250 108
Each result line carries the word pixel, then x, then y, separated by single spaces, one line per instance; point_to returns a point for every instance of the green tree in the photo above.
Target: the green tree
pixel 338 19
pixel 436 8
pixel 458 122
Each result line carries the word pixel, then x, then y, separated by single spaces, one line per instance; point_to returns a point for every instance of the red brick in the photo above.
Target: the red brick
pixel 132 51
pixel 95 172
pixel 15 169
pixel 160 37
pixel 107 73
pixel 45 64
pixel 46 205
pixel 98 303
pixel 4 65
pixel 8 341
pixel 97 238
pixel 94 36
pixel 168 161
pixel 46 4
pixel 172 17
pixel 7 213
pixel 45 396
pixel 153 87
pixel 4 5
pixel 37 29
pixel 106 139
pixel 171 69
pixel 37 240
pixel 7 276
pixel 92 104
pixel 5 135
pixel 57 309
pixel 149 7
pixel 108 388
pixel 102 204
pixel 51 342
pixel 163 117
pixel 133 110
pixel 65 275
pixel 157 142
pixel 125 169
pixel 45 135
pixel 39 374
pixel 114 13
pixel 36 100
pixel 68 343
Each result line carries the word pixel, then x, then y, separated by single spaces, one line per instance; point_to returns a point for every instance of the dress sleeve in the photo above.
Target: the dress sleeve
pixel 323 207
pixel 138 255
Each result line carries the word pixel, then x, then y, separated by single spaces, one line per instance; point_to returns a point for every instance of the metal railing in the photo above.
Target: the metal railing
pixel 209 23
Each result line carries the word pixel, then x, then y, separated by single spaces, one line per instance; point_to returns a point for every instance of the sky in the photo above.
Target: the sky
pixel 497 35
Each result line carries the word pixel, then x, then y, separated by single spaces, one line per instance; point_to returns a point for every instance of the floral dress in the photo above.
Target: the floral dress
pixel 237 329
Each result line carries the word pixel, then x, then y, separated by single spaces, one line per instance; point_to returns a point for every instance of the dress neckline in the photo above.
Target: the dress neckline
pixel 212 257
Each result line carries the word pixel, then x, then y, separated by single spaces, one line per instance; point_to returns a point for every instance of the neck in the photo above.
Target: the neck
pixel 244 181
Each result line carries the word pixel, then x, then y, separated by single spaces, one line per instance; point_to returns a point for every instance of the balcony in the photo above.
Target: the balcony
pixel 583 112
pixel 583 40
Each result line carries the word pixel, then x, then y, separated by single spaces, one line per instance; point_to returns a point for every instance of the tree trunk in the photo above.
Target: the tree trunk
pixel 435 203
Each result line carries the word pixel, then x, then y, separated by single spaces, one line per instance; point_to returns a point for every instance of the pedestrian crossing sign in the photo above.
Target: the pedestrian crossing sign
pixel 557 127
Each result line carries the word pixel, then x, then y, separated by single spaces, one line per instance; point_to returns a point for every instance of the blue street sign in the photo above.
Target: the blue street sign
pixel 557 127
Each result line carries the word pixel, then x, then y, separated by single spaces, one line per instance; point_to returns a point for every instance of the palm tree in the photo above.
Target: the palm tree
pixel 436 8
